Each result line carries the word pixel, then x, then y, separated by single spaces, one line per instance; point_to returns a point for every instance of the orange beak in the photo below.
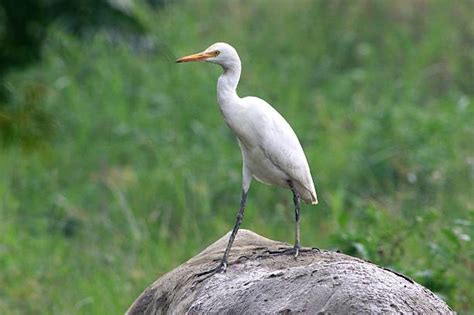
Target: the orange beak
pixel 196 57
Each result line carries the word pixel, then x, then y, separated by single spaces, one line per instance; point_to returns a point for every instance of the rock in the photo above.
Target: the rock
pixel 261 278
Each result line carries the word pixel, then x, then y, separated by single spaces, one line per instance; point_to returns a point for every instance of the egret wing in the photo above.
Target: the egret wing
pixel 281 145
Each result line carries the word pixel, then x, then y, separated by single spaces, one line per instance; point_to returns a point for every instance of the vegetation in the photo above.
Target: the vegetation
pixel 135 171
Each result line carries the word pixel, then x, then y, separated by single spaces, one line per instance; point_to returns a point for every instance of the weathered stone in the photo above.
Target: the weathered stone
pixel 262 279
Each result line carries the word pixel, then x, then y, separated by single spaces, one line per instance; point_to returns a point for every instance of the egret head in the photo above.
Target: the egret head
pixel 220 53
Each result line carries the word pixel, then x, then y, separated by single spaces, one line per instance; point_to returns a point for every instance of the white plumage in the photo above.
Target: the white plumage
pixel 271 151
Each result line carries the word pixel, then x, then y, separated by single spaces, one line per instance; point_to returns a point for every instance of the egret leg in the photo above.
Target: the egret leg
pixel 296 201
pixel 238 220
pixel 223 264
pixel 296 249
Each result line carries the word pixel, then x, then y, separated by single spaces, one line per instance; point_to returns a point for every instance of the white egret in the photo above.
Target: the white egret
pixel 271 152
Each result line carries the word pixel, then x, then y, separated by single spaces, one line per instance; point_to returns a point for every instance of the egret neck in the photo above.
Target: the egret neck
pixel 227 88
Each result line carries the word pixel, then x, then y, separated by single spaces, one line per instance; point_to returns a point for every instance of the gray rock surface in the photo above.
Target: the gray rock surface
pixel 261 279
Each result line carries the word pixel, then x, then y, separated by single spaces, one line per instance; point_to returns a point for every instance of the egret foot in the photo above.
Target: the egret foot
pixel 222 267
pixel 294 251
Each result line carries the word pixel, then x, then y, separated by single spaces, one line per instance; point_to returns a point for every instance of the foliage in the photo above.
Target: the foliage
pixel 23 30
pixel 142 173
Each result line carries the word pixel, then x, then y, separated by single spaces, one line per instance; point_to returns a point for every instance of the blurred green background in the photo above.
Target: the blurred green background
pixel 115 165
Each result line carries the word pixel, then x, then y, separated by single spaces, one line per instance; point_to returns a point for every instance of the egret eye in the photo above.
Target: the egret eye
pixel 216 53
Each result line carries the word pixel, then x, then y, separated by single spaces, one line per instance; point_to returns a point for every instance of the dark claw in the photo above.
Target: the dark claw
pixel 222 267
pixel 286 251
pixel 294 251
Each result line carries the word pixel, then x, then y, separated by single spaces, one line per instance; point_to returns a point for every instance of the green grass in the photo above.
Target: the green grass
pixel 137 172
